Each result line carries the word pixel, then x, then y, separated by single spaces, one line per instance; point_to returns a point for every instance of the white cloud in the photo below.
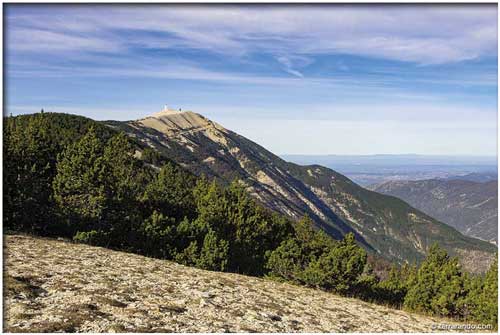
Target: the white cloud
pixel 418 33
pixel 291 63
pixel 29 39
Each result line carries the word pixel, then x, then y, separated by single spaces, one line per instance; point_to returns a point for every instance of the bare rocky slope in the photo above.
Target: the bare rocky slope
pixel 470 207
pixel 384 225
pixel 52 285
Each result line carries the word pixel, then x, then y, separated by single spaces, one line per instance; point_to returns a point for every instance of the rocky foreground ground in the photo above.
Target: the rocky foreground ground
pixel 52 285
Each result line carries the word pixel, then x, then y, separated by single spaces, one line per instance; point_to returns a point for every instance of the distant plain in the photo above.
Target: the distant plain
pixel 374 169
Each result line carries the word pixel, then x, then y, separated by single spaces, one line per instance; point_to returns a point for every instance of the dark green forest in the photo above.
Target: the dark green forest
pixel 69 176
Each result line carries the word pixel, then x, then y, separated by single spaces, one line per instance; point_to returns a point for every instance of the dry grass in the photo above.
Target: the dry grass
pixel 54 285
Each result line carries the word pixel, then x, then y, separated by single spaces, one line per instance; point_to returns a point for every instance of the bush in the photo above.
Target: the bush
pixel 311 258
pixel 482 301
pixel 338 269
pixel 158 235
pixel 92 237
pixel 214 253
pixel 189 256
pixel 393 290
pixel 439 286
pixel 287 261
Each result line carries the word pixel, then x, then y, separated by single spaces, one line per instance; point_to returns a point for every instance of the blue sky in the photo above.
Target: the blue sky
pixel 324 79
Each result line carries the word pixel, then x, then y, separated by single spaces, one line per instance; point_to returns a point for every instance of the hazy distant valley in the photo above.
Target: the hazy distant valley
pixel 375 169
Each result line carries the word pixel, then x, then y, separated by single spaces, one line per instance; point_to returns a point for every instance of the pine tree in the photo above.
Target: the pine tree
pixel 158 236
pixel 189 256
pixel 439 286
pixel 171 193
pixel 213 253
pixel 490 296
pixel 312 258
pixel 338 269
pixel 287 262
pixel 482 301
pixel 28 172
pixel 79 186
pixel 122 187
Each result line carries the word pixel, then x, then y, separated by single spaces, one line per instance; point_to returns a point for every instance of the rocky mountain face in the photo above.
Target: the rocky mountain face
pixel 384 225
pixel 470 207
pixel 55 286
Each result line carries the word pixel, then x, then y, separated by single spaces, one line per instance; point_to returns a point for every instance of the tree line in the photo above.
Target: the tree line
pixel 69 176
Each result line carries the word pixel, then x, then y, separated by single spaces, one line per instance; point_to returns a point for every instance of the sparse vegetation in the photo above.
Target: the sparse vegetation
pixel 133 293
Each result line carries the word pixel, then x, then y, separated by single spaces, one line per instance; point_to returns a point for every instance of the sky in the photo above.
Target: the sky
pixel 297 79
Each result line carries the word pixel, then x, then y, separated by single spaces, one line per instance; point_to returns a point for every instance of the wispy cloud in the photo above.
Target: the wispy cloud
pixel 45 41
pixel 424 35
pixel 292 63
pixel 183 70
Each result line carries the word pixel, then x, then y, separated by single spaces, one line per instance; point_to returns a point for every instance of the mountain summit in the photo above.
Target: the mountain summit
pixel 173 122
pixel 384 225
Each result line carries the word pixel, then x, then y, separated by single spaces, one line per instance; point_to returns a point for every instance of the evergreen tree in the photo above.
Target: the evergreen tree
pixel 252 231
pixel 439 286
pixel 314 259
pixel 79 186
pixel 190 255
pixel 482 301
pixel 27 176
pixel 123 186
pixel 287 262
pixel 338 269
pixel 171 193
pixel 214 253
pixel 234 217
pixel 488 302
pixel 158 236
pixel 294 254
pixel 393 289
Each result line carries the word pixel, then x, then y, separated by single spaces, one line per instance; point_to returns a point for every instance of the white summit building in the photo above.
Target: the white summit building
pixel 168 111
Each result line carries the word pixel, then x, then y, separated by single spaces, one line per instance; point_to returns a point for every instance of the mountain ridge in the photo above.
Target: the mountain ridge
pixel 468 206
pixel 383 225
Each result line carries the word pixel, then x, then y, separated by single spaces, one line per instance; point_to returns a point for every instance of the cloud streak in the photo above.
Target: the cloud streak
pixel 419 34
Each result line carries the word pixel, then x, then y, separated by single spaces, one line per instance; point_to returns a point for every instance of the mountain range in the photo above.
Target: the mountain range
pixel 384 225
pixel 469 206
pixel 479 177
